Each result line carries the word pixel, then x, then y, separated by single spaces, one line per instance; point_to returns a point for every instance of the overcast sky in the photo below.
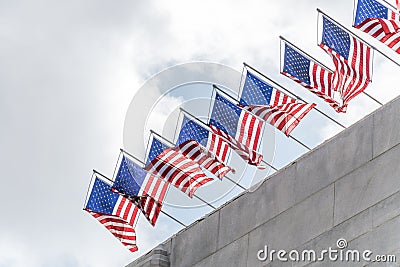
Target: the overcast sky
pixel 68 71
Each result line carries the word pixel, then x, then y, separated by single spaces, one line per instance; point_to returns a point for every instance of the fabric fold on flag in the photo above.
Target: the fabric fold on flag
pixel 379 21
pixel 271 105
pixel 195 151
pixel 352 59
pixel 284 117
pixel 239 128
pixel 146 191
pixel 178 170
pixel 310 74
pixel 113 211
pixel 191 130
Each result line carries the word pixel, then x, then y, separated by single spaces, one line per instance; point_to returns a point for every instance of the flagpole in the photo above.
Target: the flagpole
pixel 116 165
pixel 358 37
pixel 163 212
pixel 87 192
pixel 173 218
pixel 102 175
pixel 330 70
pixel 240 84
pixel 389 4
pixel 165 139
pixel 208 129
pixel 290 136
pixel 296 96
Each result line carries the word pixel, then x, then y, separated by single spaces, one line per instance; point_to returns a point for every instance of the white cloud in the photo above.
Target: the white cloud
pixel 68 73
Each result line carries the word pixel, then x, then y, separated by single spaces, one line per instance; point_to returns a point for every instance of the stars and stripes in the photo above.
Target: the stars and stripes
pixel 195 151
pixel 273 106
pixel 352 59
pixel 145 190
pixel 258 92
pixel 379 21
pixel 191 130
pixel 180 171
pixel 310 74
pixel 241 129
pixel 115 212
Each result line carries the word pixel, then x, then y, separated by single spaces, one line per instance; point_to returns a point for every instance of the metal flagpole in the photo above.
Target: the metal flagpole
pixel 108 179
pixel 199 198
pixel 224 176
pixel 358 37
pixel 292 94
pixel 208 128
pixel 240 84
pixel 290 136
pixel 173 218
pixel 389 4
pixel 87 191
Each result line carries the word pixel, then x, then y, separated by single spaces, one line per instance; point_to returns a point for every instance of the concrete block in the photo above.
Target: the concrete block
pixel 386 132
pixel 349 230
pixel 158 257
pixel 389 262
pixel 367 185
pixel 255 208
pixel 381 240
pixel 386 209
pixel 196 242
pixel 337 157
pixel 293 227
pixel 207 262
pixel 234 254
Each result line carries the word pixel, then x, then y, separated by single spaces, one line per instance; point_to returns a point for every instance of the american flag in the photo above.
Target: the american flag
pixel 273 106
pixel 379 21
pixel 305 71
pixel 191 130
pixel 195 151
pixel 174 167
pixel 115 212
pixel 352 59
pixel 241 129
pixel 145 190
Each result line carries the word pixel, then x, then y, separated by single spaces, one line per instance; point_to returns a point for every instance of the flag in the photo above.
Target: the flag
pixel 379 21
pixel 195 151
pixel 352 59
pixel 145 190
pixel 203 146
pixel 310 74
pixel 191 130
pixel 115 212
pixel 175 168
pixel 241 129
pixel 273 106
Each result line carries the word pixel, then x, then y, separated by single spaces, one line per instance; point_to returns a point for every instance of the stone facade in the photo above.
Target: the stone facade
pixel 348 187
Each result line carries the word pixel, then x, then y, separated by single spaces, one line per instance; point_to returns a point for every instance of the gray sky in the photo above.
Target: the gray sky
pixel 68 71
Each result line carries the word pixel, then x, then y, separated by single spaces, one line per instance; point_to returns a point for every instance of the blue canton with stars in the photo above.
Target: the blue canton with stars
pixel 130 178
pixel 296 64
pixel 191 130
pixel 255 91
pixel 102 199
pixel 225 115
pixel 370 9
pixel 155 149
pixel 336 38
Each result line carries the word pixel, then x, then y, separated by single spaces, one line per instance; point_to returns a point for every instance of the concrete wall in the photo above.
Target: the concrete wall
pixel 348 187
